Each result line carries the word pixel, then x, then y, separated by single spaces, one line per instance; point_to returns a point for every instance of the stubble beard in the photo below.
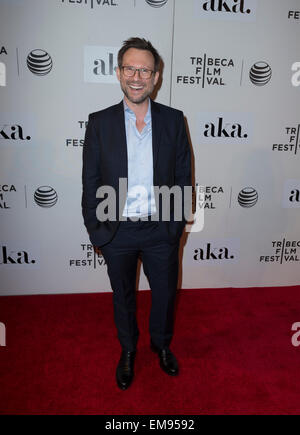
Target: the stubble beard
pixel 137 100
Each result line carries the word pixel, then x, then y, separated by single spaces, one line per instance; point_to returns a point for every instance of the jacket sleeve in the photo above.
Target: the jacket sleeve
pixel 91 176
pixel 183 166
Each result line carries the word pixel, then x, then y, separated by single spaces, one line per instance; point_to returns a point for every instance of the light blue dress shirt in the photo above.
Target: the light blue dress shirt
pixel 140 199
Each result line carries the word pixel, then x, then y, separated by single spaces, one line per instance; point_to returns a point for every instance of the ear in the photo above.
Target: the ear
pixel 156 77
pixel 118 72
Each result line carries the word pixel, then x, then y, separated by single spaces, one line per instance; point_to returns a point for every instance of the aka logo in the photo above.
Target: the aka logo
pixel 12 132
pixel 295 196
pixel 226 9
pixel 291 194
pixel 234 6
pixel 14 257
pixel 209 253
pixel 217 251
pixel 100 64
pixel 103 68
pixel 296 76
pixel 222 129
pixel 225 128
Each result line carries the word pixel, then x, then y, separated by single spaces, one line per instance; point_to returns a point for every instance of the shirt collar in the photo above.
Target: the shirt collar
pixel 131 114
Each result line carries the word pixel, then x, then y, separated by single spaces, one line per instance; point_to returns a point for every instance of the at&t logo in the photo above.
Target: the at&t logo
pixel 45 196
pixel 39 62
pixel 247 197
pixel 156 3
pixel 260 73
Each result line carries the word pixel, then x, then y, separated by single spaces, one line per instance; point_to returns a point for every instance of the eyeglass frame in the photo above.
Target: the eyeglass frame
pixel 137 69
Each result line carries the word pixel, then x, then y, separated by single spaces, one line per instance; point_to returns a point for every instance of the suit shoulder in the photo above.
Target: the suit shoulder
pixel 169 110
pixel 103 113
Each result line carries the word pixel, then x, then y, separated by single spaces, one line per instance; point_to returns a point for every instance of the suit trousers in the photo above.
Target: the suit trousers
pixel 145 240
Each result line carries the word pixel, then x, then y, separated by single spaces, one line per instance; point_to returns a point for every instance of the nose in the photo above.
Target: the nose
pixel 137 71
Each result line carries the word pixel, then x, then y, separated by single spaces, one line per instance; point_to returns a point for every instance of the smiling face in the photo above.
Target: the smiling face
pixel 136 89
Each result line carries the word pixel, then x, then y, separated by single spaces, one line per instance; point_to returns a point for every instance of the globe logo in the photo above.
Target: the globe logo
pixel 260 73
pixel 247 197
pixel 45 196
pixel 156 3
pixel 39 62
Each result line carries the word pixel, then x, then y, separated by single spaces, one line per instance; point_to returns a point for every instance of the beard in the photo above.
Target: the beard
pixel 138 99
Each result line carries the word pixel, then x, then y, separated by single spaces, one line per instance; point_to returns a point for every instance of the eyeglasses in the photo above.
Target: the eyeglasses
pixel 129 71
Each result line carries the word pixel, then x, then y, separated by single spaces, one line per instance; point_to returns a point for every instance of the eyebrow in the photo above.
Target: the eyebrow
pixel 146 67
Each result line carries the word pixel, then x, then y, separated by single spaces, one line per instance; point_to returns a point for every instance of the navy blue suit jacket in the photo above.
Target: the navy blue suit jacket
pixel 105 162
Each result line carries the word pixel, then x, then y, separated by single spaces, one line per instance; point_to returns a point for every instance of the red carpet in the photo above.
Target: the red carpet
pixel 233 345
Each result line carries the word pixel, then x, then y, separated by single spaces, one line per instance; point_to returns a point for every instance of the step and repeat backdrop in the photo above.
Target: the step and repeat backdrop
pixel 232 66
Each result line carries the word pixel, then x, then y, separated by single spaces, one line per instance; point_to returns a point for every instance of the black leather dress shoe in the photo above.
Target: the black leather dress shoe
pixel 167 360
pixel 125 373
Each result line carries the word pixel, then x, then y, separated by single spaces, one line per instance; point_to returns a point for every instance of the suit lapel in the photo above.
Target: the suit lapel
pixel 156 130
pixel 120 140
pixel 120 136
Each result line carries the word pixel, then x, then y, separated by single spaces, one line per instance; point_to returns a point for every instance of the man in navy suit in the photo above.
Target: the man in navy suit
pixel 146 144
